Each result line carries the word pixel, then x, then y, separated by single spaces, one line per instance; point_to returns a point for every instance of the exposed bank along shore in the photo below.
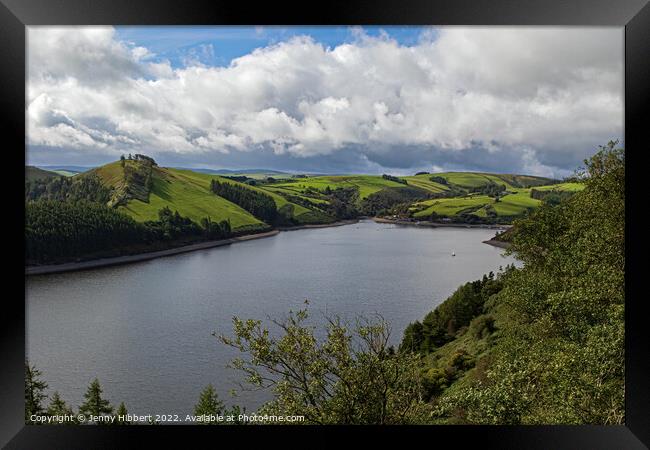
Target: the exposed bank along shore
pixel 126 259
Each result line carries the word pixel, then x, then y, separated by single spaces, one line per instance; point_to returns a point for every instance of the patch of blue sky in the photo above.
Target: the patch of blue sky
pixel 219 45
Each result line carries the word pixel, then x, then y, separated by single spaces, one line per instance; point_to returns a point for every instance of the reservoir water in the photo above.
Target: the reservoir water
pixel 145 329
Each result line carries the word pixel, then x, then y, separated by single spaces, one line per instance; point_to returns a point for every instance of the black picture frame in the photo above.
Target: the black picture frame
pixel 634 15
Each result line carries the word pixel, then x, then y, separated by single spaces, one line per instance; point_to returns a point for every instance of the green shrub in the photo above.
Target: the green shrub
pixel 482 326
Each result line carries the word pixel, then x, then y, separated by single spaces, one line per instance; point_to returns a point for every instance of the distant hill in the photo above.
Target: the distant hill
pixel 234 171
pixel 68 169
pixel 35 173
pixel 187 192
pixel 141 189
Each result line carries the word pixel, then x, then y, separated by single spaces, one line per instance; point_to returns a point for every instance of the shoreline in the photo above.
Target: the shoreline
pixel 139 257
pixel 441 224
pixel 495 243
pixel 319 225
pixel 128 259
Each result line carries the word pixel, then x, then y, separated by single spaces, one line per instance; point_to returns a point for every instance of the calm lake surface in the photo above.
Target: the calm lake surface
pixel 145 329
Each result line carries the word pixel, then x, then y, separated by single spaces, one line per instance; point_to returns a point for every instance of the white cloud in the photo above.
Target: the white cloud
pixel 549 95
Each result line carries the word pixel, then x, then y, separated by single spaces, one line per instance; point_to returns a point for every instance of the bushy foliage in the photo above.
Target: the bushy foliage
pixel 342 202
pixel 482 326
pixel 144 158
pixel 382 201
pixel 394 178
pixel 171 225
pixel 441 324
pixel 490 189
pixel 216 230
pixel 560 358
pixel 552 197
pixel 351 377
pixel 440 180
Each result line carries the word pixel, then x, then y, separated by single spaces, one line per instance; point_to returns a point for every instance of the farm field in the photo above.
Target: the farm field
pixel 307 200
pixel 300 213
pixel 366 184
pixel 515 203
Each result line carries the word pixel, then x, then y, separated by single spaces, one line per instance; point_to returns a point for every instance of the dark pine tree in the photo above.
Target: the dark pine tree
pixel 94 404
pixel 120 414
pixel 34 392
pixel 209 404
pixel 58 407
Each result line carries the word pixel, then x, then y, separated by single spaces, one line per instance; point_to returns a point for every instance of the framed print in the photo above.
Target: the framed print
pixel 407 217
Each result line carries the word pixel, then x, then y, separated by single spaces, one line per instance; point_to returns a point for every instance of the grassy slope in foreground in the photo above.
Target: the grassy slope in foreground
pixel 191 199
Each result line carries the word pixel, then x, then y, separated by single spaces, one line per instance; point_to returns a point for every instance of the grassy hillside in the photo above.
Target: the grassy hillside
pixel 34 173
pixel 477 179
pixel 141 191
pixel 299 213
pixel 515 201
pixel 178 192
pixel 366 184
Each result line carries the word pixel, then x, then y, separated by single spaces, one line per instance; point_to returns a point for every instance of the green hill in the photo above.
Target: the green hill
pixel 462 196
pixel 141 188
pixel 170 188
pixel 141 191
pixel 514 202
pixel 301 214
pixel 34 173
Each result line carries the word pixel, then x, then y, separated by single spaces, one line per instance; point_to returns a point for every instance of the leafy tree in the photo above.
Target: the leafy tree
pixel 94 403
pixel 440 180
pixel 394 178
pixel 491 189
pixel 209 404
pixel 351 377
pixel 34 392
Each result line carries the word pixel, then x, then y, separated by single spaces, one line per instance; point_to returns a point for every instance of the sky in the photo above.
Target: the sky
pixel 527 100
